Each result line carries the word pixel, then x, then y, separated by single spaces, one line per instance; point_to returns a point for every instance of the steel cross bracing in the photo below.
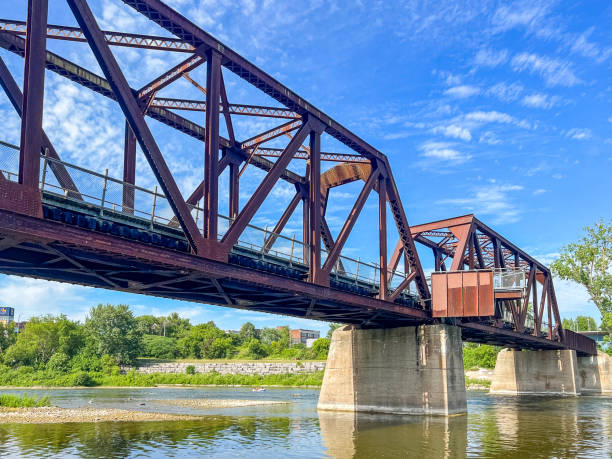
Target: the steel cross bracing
pixel 111 250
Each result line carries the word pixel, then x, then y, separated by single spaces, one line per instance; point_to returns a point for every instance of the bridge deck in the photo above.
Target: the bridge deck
pixel 61 248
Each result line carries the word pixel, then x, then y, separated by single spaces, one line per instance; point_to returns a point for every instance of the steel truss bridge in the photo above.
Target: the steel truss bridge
pixel 62 222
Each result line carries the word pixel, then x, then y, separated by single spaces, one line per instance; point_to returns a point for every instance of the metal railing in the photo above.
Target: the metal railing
pixel 509 279
pixel 106 193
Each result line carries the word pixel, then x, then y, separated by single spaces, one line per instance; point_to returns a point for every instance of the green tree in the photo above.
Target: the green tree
pixel 569 324
pixel 8 336
pixel 479 355
pixel 199 342
pixel 270 335
pixel 43 337
pixel 332 328
pixel 319 349
pixel 113 330
pixel 148 325
pixel 174 326
pixel 586 323
pixel 248 332
pixel 160 347
pixel 588 263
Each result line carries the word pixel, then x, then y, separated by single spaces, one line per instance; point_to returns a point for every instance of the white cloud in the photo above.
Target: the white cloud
pixel 505 92
pixel 443 151
pixel 581 45
pixel 462 91
pixel 539 100
pixel 492 200
pixel 453 131
pixel 489 138
pixel 579 134
pixel 34 297
pixel 539 191
pixel 490 58
pixel 493 116
pixel 520 14
pixel 555 72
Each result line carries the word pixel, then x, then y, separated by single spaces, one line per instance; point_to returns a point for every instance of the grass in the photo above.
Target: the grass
pixel 23 401
pixel 21 378
pixel 483 382
pixel 150 360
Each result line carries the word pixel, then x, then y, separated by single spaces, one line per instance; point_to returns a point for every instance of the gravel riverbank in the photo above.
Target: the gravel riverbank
pixel 54 415
pixel 218 403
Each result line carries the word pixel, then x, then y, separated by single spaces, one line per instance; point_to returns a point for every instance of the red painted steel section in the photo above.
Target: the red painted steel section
pixel 462 294
pixel 33 94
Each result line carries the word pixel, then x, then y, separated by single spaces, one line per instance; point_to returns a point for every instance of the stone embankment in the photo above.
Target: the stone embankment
pixel 236 368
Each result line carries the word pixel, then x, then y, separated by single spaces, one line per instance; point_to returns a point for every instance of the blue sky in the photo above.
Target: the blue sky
pixel 497 108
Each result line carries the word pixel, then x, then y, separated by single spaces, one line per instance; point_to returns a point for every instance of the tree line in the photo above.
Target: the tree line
pixel 111 336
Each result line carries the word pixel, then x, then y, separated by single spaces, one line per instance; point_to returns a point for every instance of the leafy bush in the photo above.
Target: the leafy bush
pixel 82 378
pixel 479 355
pixel 59 363
pixel 190 370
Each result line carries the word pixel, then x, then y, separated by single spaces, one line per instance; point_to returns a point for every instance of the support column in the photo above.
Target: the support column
pixel 211 156
pixel 595 373
pixel 407 370
pixel 129 170
pixel 33 93
pixel 550 372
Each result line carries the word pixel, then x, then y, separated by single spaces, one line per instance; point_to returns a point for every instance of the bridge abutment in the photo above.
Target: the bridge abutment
pixel 536 372
pixel 407 370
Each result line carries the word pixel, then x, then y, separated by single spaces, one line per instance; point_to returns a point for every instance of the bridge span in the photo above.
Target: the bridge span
pixel 64 222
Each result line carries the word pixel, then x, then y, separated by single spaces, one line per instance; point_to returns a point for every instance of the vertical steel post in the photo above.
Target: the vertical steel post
pixel 33 93
pixel 211 152
pixel 129 170
pixel 314 204
pixel 234 190
pixel 306 225
pixel 382 237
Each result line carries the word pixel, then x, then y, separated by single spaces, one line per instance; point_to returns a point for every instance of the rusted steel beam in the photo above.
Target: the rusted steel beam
pixel 334 253
pixel 129 170
pixel 244 217
pixel 33 94
pixel 401 287
pixel 382 238
pixel 271 134
pixel 170 77
pixel 325 156
pixel 234 109
pixel 280 225
pixel 130 40
pixel 234 190
pixel 211 151
pixel 404 230
pixel 314 205
pixel 463 234
pixel 129 105
pixel 226 111
pixel 12 91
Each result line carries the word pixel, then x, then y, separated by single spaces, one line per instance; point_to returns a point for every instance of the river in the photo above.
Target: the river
pixel 496 426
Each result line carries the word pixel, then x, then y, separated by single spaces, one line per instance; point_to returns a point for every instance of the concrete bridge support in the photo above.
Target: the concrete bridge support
pixel 559 372
pixel 408 370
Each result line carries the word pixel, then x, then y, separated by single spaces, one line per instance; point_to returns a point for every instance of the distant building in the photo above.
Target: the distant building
pixel 300 336
pixel 7 315
pixel 596 335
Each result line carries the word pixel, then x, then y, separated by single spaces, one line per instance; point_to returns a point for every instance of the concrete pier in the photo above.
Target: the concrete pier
pixel 535 372
pixel 551 372
pixel 408 370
